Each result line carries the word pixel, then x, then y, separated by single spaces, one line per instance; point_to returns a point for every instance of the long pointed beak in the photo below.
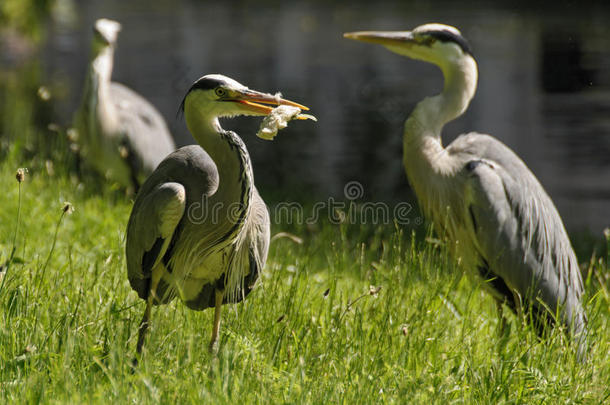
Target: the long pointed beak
pixel 387 38
pixel 258 102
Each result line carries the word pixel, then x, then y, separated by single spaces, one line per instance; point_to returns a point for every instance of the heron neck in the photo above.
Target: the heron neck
pixel 232 160
pixel 424 157
pixel 97 91
pixel 422 134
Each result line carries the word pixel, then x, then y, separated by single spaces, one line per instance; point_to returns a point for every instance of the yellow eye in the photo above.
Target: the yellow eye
pixel 220 92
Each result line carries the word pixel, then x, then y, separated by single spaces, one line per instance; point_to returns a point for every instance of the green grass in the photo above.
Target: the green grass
pixel 310 333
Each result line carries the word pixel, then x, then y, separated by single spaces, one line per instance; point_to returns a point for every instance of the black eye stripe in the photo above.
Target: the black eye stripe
pixel 205 84
pixel 448 36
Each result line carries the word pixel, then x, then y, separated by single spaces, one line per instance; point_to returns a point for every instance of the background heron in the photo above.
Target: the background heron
pixel 480 195
pixel 121 134
pixel 199 228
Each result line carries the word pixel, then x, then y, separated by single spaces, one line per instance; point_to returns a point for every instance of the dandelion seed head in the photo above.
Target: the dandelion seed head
pixel 68 208
pixel 20 175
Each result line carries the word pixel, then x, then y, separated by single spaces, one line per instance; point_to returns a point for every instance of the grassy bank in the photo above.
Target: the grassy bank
pixel 350 315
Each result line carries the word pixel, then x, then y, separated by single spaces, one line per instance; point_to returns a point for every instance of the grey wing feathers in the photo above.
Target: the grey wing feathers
pixel 147 135
pixel 519 232
pixel 260 240
pixel 154 218
pixel 496 227
pixel 261 227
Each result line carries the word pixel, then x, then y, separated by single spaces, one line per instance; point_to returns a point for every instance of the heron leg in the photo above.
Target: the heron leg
pixel 143 329
pixel 219 295
pixel 502 318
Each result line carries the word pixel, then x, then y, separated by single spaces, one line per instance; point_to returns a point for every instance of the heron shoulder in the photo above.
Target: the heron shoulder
pixel 191 166
pixel 475 146
pixel 126 99
pixel 142 126
pixel 131 107
pixel 486 159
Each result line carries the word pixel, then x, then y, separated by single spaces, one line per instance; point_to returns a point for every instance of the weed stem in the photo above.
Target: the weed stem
pixel 14 244
pixel 46 263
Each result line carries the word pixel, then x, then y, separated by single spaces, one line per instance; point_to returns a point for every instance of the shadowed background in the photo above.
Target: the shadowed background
pixel 544 85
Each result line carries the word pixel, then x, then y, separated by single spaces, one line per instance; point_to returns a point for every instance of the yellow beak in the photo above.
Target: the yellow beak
pixel 258 102
pixel 387 38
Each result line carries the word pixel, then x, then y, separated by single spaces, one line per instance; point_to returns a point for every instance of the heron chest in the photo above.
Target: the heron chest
pixel 206 267
pixel 190 275
pixel 444 201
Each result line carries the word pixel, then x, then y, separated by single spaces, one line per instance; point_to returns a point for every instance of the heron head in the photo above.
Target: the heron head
pixel 434 43
pixel 215 96
pixel 105 32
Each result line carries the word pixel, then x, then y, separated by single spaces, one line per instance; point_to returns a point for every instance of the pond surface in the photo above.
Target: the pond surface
pixel 544 86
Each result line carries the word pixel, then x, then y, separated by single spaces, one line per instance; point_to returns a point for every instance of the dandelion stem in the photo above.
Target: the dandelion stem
pixel 46 263
pixel 14 245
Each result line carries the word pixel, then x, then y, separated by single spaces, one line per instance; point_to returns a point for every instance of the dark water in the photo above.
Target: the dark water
pixel 544 86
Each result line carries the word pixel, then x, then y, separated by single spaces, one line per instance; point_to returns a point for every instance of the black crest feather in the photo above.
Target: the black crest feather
pixel 449 36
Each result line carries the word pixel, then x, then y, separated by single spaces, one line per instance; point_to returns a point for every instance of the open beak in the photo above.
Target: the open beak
pixel 260 103
pixel 387 38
